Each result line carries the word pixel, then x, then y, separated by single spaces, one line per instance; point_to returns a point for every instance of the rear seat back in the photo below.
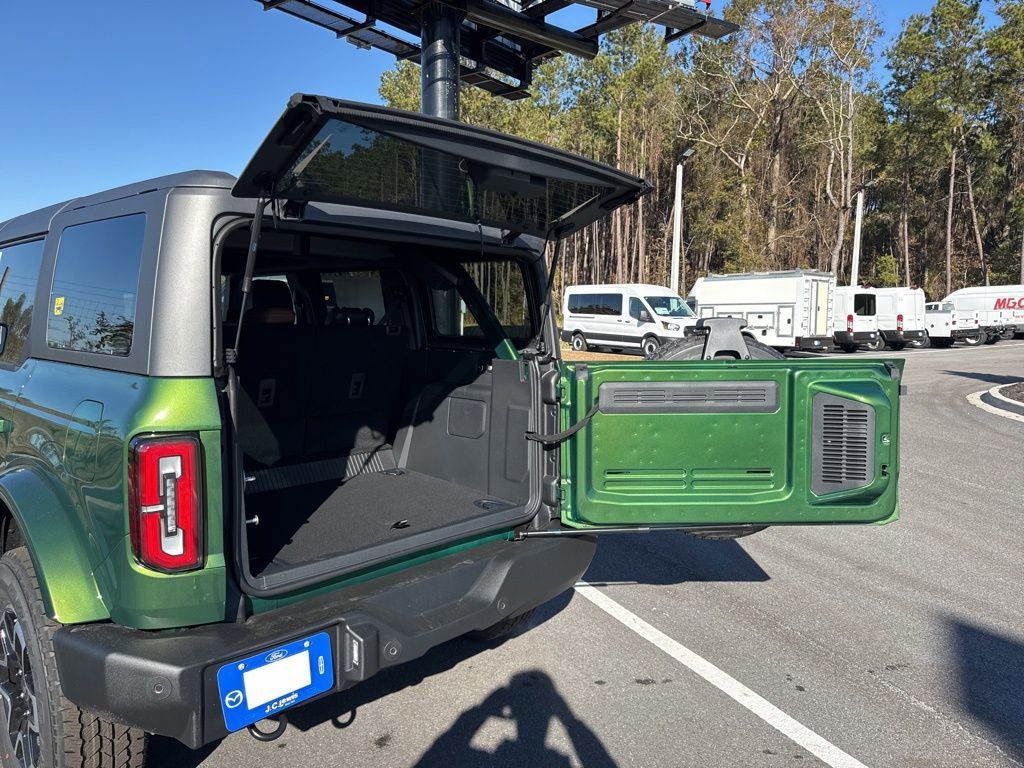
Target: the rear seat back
pixel 270 375
pixel 355 384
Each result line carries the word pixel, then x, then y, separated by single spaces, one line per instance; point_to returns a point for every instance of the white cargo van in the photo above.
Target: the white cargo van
pixel 855 321
pixel 634 317
pixel 946 325
pixel 785 310
pixel 1000 308
pixel 901 317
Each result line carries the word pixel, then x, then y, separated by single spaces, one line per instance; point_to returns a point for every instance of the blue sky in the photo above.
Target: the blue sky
pixel 106 93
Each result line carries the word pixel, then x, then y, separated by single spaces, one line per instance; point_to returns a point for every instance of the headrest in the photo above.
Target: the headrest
pixel 351 316
pixel 271 303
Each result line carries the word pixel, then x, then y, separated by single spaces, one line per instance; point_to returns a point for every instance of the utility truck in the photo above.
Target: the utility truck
pixel 855 321
pixel 1000 308
pixel 947 325
pixel 784 310
pixel 901 317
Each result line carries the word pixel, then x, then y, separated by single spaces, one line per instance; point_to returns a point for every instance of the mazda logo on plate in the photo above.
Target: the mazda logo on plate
pixel 233 699
pixel 276 655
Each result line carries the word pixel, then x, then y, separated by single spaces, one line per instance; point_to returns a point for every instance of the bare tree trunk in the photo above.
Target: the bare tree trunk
pixel 1022 257
pixel 974 222
pixel 949 223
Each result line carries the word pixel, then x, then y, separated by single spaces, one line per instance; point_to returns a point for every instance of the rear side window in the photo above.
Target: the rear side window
pixel 19 274
pixel 864 304
pixel 345 292
pixel 503 285
pixel 596 303
pixel 95 286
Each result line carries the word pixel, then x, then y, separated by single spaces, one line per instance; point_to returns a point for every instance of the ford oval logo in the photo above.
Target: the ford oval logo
pixel 276 655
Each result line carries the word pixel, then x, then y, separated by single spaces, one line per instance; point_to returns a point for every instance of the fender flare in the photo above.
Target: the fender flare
pixel 57 543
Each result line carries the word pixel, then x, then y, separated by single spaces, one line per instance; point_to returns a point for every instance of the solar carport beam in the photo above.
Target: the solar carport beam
pixel 490 44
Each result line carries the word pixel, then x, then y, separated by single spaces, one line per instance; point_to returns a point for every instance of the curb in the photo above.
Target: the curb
pixel 992 401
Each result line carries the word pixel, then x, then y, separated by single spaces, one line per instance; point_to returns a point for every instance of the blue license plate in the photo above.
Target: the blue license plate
pixel 274 680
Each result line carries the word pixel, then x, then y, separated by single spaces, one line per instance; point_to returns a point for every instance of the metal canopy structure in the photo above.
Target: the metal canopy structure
pixel 487 44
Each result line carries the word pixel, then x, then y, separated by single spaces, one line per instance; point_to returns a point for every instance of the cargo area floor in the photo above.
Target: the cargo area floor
pixel 308 523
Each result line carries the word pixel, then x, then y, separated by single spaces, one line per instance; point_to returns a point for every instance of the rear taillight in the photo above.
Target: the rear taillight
pixel 165 503
pixel 899 322
pixel 849 323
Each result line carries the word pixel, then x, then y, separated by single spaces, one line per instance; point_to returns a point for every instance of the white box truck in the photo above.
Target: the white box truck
pixel 901 317
pixel 635 317
pixel 785 310
pixel 855 321
pixel 1000 308
pixel 946 325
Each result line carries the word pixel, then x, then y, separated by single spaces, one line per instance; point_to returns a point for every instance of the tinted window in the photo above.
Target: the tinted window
pixel 353 290
pixel 95 286
pixel 864 304
pixel 596 303
pixel 503 286
pixel 19 274
pixel 635 308
pixel 670 306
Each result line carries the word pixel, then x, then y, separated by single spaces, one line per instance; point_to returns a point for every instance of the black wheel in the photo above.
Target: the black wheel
pixel 503 628
pixel 897 346
pixel 1006 334
pixel 44 728
pixel 650 346
pixel 579 342
pixel 991 338
pixel 923 343
pixel 848 347
pixel 942 342
pixel 691 348
pixel 975 340
pixel 877 345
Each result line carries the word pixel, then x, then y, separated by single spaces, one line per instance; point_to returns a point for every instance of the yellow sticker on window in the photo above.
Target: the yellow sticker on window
pixel 58 305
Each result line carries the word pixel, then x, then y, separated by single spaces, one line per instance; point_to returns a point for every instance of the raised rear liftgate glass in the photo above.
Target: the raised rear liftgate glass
pixel 331 151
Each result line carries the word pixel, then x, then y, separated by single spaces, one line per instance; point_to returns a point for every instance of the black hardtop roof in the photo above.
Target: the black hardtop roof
pixel 38 221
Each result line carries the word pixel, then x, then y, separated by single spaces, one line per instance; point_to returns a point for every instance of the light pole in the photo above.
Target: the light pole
pixel 857 224
pixel 677 221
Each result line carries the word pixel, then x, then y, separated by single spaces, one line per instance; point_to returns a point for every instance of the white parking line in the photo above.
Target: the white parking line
pixel 800 734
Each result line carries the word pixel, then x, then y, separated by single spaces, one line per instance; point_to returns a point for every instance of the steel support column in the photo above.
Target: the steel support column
pixel 439 60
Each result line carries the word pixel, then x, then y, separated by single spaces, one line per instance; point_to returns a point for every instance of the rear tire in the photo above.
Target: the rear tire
pixel 875 346
pixel 922 343
pixel 848 348
pixel 992 338
pixel 579 343
pixel 898 346
pixel 65 736
pixel 975 340
pixel 942 342
pixel 650 346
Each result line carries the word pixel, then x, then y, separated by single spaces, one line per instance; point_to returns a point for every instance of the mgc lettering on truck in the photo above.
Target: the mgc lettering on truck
pixel 1010 303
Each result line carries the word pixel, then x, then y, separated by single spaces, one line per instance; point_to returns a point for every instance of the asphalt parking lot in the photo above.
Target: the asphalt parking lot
pixel 900 645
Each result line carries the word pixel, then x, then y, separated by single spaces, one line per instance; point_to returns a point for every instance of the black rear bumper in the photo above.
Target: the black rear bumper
pixel 165 681
pixel 815 343
pixel 897 337
pixel 857 337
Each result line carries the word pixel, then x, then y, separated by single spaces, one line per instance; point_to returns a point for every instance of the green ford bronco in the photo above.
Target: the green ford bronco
pixel 264 437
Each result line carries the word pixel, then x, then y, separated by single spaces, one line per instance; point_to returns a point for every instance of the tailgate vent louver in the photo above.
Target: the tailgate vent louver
pixel 843 445
pixel 689 397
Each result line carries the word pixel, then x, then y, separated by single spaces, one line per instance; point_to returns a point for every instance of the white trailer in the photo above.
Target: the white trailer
pixel 785 310
pixel 1000 308
pixel 946 325
pixel 901 317
pixel 855 321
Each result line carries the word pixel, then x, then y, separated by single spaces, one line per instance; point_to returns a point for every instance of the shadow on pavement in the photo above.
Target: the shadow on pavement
pixel 341 709
pixel 670 558
pixel 991 677
pixel 990 378
pixel 531 703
